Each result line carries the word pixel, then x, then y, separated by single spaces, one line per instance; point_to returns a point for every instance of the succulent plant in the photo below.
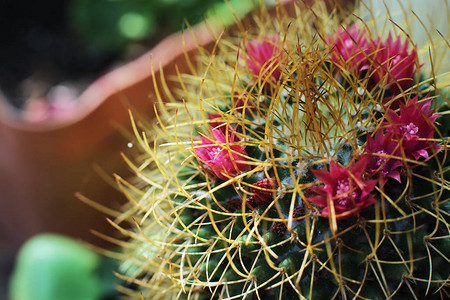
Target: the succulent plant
pixel 307 158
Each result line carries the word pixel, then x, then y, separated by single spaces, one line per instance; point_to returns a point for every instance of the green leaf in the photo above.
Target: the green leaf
pixel 54 267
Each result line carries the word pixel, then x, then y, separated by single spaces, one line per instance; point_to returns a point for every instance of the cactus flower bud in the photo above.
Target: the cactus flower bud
pixel 298 212
pixel 234 203
pixel 263 191
pixel 278 228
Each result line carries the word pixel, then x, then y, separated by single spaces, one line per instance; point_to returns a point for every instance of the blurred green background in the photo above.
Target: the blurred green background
pixel 110 25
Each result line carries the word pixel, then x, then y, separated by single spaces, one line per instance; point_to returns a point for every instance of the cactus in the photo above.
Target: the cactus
pixel 305 160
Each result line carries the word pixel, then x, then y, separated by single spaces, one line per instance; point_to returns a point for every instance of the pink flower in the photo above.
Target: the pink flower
pixel 349 47
pixel 380 151
pixel 390 63
pixel 224 158
pixel 264 58
pixel 413 128
pixel 394 64
pixel 344 189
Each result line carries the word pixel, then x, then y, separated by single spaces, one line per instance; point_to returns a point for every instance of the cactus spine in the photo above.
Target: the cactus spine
pixel 300 163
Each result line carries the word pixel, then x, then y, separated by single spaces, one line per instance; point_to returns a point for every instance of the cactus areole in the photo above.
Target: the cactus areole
pixel 305 161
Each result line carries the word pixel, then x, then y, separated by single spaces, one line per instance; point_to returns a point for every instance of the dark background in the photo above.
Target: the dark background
pixel 48 42
pixel 36 41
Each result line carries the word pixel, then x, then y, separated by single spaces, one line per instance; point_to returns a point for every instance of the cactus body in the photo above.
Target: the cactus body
pixel 302 163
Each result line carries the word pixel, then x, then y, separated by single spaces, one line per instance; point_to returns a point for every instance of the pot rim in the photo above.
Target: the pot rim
pixel 104 88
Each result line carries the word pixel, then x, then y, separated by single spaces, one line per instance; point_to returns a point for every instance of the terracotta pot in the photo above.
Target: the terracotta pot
pixel 43 164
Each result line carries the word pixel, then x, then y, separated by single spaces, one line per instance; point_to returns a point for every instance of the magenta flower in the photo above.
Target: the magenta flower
pixel 264 58
pixel 344 189
pixel 222 157
pixel 381 149
pixel 390 63
pixel 413 128
pixel 394 64
pixel 349 47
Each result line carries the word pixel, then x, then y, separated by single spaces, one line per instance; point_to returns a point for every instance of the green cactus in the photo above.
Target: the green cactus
pixel 301 163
